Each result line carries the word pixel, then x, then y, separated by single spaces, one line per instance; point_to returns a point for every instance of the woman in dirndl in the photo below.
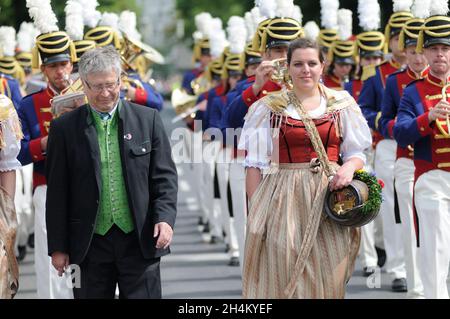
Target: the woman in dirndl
pixel 292 249
pixel 10 136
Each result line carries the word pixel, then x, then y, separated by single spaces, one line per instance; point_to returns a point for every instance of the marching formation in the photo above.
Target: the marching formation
pixel 310 146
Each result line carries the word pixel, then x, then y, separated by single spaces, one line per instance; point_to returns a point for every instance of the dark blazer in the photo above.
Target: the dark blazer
pixel 74 181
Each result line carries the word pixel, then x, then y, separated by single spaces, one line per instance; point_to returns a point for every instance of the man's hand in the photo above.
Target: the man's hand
pixel 165 233
pixel 440 110
pixel 263 74
pixel 44 143
pixel 60 261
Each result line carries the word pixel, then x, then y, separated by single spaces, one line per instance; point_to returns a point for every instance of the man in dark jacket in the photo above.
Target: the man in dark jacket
pixel 112 188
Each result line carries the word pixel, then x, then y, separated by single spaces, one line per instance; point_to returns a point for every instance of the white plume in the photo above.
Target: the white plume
pixel 268 8
pixel 285 8
pixel 74 20
pixel 197 35
pixel 421 9
pixel 237 34
pixel 369 15
pixel 249 25
pixel 297 14
pixel 43 16
pixel 110 19
pixel 202 21
pixel 217 38
pixel 90 14
pixel 439 7
pixel 345 21
pixel 8 40
pixel 127 25
pixel 328 12
pixel 26 36
pixel 402 5
pixel 311 30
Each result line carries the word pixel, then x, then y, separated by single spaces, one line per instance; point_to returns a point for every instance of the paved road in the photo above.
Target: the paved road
pixel 196 269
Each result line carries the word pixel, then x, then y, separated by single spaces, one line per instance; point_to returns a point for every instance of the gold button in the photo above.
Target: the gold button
pixel 249 100
pixel 264 92
pixel 35 156
pixel 422 129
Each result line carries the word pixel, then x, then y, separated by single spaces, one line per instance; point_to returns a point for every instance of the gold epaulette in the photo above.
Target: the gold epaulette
pixel 368 71
pixel 8 116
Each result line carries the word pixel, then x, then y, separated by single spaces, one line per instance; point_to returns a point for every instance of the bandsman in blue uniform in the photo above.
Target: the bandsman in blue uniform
pixel 385 149
pixel 415 68
pixel 370 47
pixel 423 121
pixel 53 53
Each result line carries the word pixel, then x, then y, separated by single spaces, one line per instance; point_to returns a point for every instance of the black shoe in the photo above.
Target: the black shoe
pixel 22 253
pixel 206 228
pixel 367 271
pixel 381 253
pixel 234 261
pixel 227 248
pixel 214 240
pixel 30 241
pixel 399 285
pixel 200 221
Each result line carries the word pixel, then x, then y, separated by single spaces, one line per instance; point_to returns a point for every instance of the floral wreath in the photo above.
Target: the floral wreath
pixel 375 186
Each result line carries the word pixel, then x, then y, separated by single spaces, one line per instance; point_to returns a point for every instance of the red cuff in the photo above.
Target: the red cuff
pixel 36 150
pixel 390 128
pixel 140 96
pixel 249 96
pixel 424 125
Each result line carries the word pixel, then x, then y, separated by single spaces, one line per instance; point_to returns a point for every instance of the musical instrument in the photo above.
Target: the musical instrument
pixel 69 99
pixel 281 74
pixel 440 123
pixel 184 104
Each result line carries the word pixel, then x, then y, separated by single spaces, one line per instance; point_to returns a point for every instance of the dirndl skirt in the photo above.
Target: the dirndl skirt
pixel 293 250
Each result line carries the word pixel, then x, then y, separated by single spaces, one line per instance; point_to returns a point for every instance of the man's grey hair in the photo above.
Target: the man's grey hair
pixel 103 59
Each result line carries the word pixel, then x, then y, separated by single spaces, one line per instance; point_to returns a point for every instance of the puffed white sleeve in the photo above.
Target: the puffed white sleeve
pixel 8 153
pixel 256 138
pixel 355 133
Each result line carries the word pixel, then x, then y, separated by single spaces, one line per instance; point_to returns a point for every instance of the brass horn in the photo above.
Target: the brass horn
pixel 440 123
pixel 280 73
pixel 131 49
pixel 183 103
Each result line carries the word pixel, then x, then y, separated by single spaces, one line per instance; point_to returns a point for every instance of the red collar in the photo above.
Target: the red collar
pixel 436 81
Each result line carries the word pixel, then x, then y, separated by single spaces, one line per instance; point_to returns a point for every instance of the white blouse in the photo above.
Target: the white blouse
pixel 257 135
pixel 8 154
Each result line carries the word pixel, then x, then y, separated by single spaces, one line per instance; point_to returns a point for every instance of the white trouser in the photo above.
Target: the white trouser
pixel 385 157
pixel 372 233
pixel 24 203
pixel 237 184
pixel 49 284
pixel 223 174
pixel 432 200
pixel 211 205
pixel 404 185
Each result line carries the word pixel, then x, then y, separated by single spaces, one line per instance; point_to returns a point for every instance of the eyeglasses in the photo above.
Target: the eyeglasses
pixel 98 88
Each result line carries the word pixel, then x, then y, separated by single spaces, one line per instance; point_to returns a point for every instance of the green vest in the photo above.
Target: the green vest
pixel 114 207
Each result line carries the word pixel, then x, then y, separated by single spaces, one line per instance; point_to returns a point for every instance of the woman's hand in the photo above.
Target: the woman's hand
pixel 344 175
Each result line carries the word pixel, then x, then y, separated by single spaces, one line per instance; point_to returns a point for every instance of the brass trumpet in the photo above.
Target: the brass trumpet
pixel 280 73
pixel 440 123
